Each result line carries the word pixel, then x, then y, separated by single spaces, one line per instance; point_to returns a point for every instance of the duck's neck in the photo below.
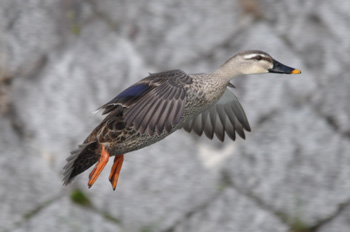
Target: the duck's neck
pixel 226 72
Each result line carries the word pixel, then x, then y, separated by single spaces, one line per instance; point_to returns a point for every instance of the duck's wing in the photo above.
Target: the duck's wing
pixel 227 115
pixel 153 104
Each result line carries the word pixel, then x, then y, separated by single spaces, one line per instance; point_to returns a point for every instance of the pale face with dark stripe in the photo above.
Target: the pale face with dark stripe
pixel 253 62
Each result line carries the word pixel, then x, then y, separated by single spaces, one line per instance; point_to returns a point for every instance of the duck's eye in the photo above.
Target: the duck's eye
pixel 258 58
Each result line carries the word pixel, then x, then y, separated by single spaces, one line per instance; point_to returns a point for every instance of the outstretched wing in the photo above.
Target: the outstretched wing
pixel 153 104
pixel 227 115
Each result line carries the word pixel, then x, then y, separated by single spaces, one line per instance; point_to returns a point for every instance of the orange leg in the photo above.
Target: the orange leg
pixel 102 161
pixel 117 166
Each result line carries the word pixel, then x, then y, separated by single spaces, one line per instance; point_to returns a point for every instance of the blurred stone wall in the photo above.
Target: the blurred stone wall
pixel 61 60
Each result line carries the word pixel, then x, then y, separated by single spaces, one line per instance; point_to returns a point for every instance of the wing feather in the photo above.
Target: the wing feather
pixel 198 126
pixel 154 104
pixel 226 116
pixel 148 115
pixel 162 120
pixel 156 116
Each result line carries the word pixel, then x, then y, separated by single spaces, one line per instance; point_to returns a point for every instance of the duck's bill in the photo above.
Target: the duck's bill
pixel 281 68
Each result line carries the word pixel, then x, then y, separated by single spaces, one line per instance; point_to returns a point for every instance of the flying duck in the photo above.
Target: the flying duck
pixel 164 102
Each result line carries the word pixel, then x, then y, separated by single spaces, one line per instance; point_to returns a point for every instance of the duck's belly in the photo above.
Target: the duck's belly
pixel 134 142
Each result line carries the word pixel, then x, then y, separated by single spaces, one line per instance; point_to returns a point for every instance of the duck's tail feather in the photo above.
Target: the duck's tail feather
pixel 80 159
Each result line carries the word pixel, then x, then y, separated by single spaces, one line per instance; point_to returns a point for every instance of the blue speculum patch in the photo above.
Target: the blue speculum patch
pixel 132 92
pixel 135 90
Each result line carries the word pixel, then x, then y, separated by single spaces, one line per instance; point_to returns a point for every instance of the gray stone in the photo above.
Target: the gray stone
pixel 332 102
pixel 294 166
pixel 27 180
pixel 339 224
pixel 231 211
pixel 320 35
pixel 175 32
pixel 63 215
pixel 29 30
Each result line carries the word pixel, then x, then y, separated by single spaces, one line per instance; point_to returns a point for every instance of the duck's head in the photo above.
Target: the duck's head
pixel 255 62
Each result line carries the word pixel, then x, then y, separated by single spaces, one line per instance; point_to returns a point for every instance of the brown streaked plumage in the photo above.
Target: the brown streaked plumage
pixel 161 103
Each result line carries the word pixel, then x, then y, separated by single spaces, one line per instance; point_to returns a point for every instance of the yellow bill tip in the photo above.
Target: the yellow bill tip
pixel 296 71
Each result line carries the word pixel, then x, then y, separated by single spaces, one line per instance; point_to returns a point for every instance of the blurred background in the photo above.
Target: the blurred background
pixel 61 60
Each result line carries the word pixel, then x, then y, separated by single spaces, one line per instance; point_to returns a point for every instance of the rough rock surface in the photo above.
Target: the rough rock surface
pixel 61 60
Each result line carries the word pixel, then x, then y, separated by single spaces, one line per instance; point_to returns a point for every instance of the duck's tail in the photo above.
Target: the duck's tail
pixel 80 159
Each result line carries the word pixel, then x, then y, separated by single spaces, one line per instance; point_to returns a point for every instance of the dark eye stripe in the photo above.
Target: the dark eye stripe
pixel 260 57
pixel 268 59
